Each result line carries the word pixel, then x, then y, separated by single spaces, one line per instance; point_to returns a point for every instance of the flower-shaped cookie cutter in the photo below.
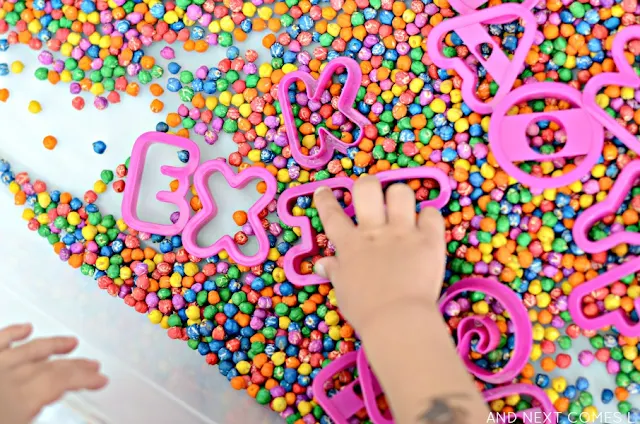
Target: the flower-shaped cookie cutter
pixel 327 142
pixel 307 247
pixel 610 205
pixel 210 209
pixel 346 403
pixel 618 317
pixel 178 198
pixel 509 143
pixel 625 77
pixel 469 28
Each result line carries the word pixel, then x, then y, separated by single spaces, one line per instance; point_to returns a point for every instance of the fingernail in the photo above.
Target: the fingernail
pixel 320 189
pixel 319 269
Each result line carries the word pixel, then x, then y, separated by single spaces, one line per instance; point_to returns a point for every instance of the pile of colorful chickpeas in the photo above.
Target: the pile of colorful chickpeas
pixel 265 335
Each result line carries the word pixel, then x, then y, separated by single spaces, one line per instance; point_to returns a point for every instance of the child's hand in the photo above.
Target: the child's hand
pixel 30 380
pixel 390 260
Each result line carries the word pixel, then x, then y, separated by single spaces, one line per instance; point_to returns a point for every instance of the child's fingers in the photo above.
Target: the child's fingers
pixel 12 334
pixel 325 267
pixel 335 222
pixel 55 378
pixel 38 350
pixel 430 220
pixel 401 205
pixel 368 201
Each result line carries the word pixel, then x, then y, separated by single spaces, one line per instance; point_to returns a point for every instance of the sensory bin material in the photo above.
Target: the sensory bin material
pixel 513 106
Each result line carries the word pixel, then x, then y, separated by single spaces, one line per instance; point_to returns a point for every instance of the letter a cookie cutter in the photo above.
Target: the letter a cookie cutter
pixel 307 247
pixel 210 209
pixel 625 77
pixel 178 198
pixel 328 143
pixel 610 205
pixel 618 317
pixel 469 28
pixel 509 143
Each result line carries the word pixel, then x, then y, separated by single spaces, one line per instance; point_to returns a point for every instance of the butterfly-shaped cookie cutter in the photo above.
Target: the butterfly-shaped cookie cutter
pixel 210 209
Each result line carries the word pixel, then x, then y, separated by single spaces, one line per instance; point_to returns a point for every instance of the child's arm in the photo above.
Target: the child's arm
pixel 30 379
pixel 387 278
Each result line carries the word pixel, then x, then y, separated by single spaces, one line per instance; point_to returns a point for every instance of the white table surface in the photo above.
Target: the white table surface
pixel 152 378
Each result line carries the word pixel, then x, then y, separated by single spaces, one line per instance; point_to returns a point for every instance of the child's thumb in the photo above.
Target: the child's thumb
pixel 326 266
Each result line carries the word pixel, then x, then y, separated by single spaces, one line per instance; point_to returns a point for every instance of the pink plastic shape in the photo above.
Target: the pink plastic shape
pixel 484 328
pixel 178 198
pixel 543 410
pixel 371 389
pixel 609 206
pixel 327 142
pixel 210 209
pixel 470 29
pixel 509 143
pixel 344 404
pixel 625 77
pixel 487 331
pixel 307 246
pixel 618 318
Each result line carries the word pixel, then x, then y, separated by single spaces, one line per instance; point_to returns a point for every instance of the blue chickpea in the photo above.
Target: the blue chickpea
pixel 193 332
pixel 99 147
pixel 203 348
pixel 225 366
pixel 542 381
pixel 582 384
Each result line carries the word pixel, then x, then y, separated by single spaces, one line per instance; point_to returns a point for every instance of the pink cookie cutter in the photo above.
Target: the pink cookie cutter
pixel 470 30
pixel 508 140
pixel 346 403
pixel 327 142
pixel 210 209
pixel 586 220
pixel 307 247
pixel 342 406
pixel 618 318
pixel 625 77
pixel 178 198
pixel 487 331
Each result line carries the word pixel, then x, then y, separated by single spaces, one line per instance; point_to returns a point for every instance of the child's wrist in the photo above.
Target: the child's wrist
pixel 394 315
